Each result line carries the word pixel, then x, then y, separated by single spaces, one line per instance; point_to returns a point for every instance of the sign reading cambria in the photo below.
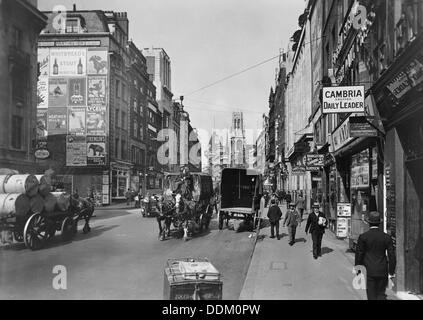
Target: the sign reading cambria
pixel 343 99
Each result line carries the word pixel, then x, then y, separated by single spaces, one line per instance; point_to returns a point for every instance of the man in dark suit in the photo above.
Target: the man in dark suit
pixel 316 225
pixel 292 219
pixel 371 253
pixel 274 214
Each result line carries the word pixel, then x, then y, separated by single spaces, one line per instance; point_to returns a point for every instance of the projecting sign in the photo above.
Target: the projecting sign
pixel 314 162
pixel 343 99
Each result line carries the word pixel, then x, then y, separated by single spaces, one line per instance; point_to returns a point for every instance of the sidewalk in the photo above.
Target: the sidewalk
pixel 281 272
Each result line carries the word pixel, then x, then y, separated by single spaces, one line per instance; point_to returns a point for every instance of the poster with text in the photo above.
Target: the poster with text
pixel 57 120
pixel 42 93
pixel 97 91
pixel 76 151
pixel 43 60
pixel 97 62
pixel 57 92
pixel 96 120
pixel 76 120
pixel 96 151
pixel 41 124
pixel 77 92
pixel 68 62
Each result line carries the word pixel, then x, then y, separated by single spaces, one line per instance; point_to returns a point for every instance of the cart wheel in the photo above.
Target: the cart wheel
pixel 67 229
pixel 75 227
pixel 18 235
pixel 35 233
pixel 51 233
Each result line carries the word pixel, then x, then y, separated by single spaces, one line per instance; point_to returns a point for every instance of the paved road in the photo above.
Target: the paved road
pixel 120 259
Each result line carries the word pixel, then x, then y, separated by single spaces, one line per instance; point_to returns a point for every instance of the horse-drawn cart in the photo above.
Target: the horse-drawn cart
pixel 34 220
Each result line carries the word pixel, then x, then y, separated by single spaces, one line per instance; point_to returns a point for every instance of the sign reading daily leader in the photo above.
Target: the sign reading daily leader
pixel 343 99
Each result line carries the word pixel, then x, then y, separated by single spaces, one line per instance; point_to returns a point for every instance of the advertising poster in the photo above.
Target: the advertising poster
pixel 41 124
pixel 96 120
pixel 76 151
pixel 42 93
pixel 57 92
pixel 344 210
pixel 43 60
pixel 76 120
pixel 342 227
pixel 360 170
pixel 96 151
pixel 77 92
pixel 97 91
pixel 57 120
pixel 97 62
pixel 68 62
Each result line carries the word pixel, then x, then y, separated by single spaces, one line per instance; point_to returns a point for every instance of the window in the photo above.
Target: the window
pixel 117 89
pixel 17 38
pixel 141 110
pixel 141 132
pixel 142 157
pixel 72 25
pixel 19 88
pixel 124 151
pixel 166 121
pixel 117 148
pixel 17 129
pixel 150 116
pixel 135 105
pixel 117 118
pixel 123 92
pixel 135 128
pixel 123 120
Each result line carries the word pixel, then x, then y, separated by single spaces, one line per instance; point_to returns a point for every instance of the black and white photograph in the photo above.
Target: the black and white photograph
pixel 238 152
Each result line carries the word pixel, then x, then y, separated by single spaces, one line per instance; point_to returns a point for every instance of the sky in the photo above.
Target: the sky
pixel 209 40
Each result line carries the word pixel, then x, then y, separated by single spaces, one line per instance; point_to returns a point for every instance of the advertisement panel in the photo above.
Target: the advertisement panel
pixel 314 162
pixel 342 227
pixel 96 120
pixel 77 120
pixel 343 99
pixel 96 151
pixel 344 210
pixel 360 170
pixel 97 91
pixel 97 62
pixel 68 62
pixel 42 93
pixel 41 130
pixel 76 151
pixel 57 92
pixel 407 79
pixel 77 92
pixel 43 60
pixel 57 121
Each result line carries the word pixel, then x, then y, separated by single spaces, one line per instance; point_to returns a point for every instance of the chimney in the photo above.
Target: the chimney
pixel 74 7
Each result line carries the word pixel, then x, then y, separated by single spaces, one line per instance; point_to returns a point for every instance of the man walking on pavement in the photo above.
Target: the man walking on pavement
pixel 292 219
pixel 275 215
pixel 371 253
pixel 288 199
pixel 300 204
pixel 316 224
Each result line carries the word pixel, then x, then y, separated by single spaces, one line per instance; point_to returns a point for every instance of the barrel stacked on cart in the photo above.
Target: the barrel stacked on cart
pixel 31 212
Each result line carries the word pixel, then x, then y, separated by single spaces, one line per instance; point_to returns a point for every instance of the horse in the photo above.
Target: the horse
pixel 82 208
pixel 164 218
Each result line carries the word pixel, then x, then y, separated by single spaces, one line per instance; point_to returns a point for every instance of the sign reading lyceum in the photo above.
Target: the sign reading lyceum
pixel 343 99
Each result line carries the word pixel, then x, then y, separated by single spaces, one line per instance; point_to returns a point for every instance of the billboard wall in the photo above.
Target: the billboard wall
pixel 72 101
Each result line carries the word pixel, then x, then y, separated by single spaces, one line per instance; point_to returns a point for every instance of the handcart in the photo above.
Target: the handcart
pixel 191 279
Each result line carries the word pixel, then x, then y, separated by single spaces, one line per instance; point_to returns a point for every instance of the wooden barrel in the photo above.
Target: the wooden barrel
pixel 2 179
pixel 14 204
pixel 27 184
pixel 50 203
pixel 44 187
pixel 37 204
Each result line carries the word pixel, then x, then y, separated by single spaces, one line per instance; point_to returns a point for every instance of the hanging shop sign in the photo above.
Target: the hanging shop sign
pixel 343 210
pixel 407 79
pixel 341 136
pixel 314 162
pixel 362 127
pixel 343 99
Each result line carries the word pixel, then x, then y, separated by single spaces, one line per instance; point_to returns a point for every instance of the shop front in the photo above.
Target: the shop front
pixel 120 180
pixel 399 98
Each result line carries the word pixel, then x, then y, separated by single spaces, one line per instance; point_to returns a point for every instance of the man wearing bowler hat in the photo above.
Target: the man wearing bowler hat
pixel 316 224
pixel 292 219
pixel 372 247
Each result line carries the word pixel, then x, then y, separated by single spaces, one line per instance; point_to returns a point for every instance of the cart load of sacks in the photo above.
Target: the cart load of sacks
pixel 22 195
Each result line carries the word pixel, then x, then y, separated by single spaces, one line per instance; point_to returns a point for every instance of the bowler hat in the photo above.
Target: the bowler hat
pixel 374 217
pixel 292 205
pixel 316 205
